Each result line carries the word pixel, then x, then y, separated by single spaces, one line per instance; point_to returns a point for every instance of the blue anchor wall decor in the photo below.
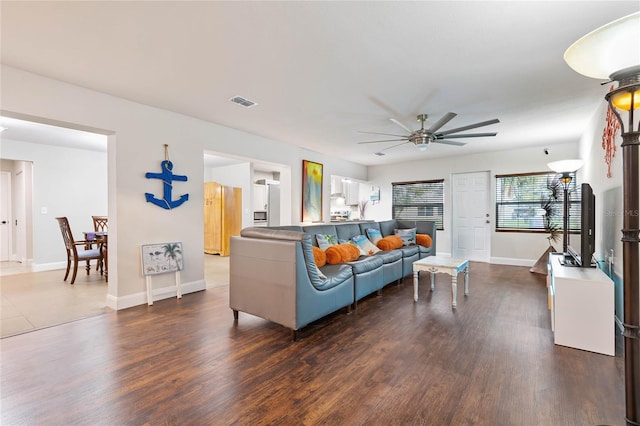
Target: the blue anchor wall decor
pixel 167 178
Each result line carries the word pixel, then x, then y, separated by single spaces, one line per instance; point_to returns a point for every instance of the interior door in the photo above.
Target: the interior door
pixel 471 207
pixel 5 215
pixel 20 234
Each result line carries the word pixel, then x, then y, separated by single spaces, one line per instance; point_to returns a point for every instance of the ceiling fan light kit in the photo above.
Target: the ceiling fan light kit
pixel 422 137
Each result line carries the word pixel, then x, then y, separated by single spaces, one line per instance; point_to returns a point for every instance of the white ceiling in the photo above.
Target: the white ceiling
pixel 321 72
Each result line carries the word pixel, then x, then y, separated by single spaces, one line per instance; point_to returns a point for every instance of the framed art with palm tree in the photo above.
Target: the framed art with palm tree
pixel 161 258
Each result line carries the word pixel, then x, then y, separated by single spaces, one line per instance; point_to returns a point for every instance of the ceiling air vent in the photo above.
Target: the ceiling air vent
pixel 242 101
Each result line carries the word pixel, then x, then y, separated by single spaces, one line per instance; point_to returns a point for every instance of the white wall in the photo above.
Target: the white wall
pixel 137 134
pixel 608 190
pixel 66 182
pixel 238 176
pixel 506 247
pixel 608 193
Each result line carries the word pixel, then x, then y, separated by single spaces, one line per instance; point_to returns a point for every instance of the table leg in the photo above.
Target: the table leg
pixel 415 285
pixel 149 291
pixel 433 287
pixel 454 290
pixel 466 281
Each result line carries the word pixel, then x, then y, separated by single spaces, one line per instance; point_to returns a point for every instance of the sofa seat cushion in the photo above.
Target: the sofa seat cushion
pixel 390 256
pixel 366 264
pixel 408 251
pixel 426 251
pixel 335 275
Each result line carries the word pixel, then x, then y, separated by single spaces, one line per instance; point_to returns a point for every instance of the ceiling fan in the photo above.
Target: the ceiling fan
pixel 423 137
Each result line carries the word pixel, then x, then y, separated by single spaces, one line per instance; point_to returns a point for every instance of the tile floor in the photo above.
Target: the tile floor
pixel 31 301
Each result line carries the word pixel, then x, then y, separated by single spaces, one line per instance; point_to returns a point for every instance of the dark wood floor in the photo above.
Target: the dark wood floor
pixel 394 362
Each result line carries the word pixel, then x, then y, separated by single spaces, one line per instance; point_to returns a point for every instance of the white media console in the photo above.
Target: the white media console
pixel 581 302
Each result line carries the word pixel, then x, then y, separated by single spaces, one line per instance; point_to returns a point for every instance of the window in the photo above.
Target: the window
pixel 520 201
pixel 422 200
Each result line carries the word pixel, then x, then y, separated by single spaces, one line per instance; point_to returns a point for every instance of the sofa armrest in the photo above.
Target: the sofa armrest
pixel 273 276
pixel 262 279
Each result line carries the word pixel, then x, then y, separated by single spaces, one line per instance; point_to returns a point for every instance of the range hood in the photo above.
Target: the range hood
pixel 337 188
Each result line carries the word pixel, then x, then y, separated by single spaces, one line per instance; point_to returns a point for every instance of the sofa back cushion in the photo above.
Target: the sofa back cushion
pixel 365 226
pixel 387 227
pixel 346 231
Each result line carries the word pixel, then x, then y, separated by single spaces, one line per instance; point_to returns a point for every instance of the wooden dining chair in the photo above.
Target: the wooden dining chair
pixel 100 223
pixel 76 250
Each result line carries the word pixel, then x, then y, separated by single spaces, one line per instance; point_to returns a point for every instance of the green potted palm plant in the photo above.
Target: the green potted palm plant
pixel 549 205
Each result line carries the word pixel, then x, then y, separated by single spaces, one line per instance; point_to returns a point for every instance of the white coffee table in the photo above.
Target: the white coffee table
pixel 446 265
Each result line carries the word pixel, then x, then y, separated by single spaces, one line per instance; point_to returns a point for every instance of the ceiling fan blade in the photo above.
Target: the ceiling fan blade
pixel 393 146
pixel 386 134
pixel 401 125
pixel 448 142
pixel 469 135
pixel 444 120
pixel 470 126
pixel 385 140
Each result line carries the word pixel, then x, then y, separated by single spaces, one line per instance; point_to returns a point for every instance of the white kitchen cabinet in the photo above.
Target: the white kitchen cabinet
pixel 352 193
pixel 259 197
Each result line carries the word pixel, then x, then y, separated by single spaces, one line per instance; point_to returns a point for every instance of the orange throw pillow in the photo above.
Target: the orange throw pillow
pixel 423 240
pixel 390 242
pixel 319 256
pixel 340 253
pixel 354 251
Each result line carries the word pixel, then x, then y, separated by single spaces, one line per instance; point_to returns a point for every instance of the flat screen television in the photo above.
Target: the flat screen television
pixel 582 246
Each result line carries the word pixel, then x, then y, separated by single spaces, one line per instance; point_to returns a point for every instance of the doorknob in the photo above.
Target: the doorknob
pixel 4 222
pixel 488 221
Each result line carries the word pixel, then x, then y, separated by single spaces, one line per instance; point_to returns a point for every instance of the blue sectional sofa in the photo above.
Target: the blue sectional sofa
pixel 273 274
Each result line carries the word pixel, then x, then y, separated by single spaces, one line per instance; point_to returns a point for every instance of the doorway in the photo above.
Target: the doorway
pixel 5 216
pixel 471 218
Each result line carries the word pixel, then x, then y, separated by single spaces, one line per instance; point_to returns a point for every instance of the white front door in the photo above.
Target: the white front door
pixel 5 215
pixel 471 216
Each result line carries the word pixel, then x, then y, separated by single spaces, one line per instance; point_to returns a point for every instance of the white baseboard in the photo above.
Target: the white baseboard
pixel 41 267
pixel 124 302
pixel 512 261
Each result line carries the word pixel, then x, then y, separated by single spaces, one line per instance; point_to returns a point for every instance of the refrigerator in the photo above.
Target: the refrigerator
pixel 273 204
pixel 270 203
